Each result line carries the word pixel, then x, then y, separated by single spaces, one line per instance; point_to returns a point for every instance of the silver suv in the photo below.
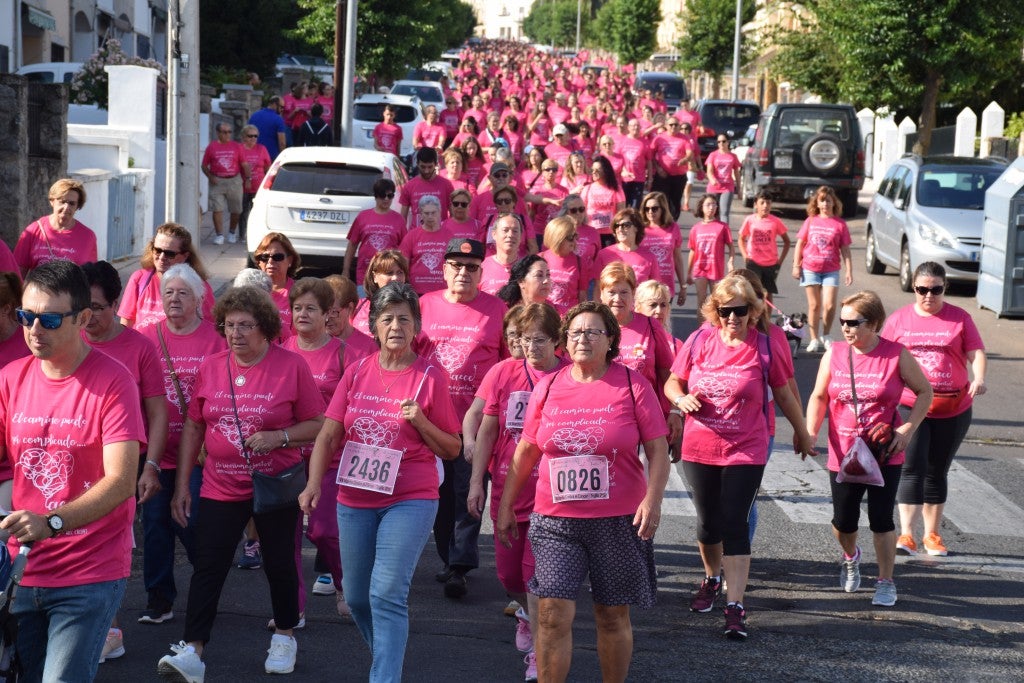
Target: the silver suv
pixel 929 209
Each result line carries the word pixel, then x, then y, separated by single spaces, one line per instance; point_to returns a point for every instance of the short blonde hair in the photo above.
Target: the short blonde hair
pixel 650 289
pixel 616 272
pixel 727 289
pixel 65 185
pixel 557 232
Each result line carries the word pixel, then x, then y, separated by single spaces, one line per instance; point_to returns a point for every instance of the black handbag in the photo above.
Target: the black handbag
pixel 269 492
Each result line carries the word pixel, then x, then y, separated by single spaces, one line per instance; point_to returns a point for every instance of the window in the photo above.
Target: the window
pixel 329 179
pixel 806 123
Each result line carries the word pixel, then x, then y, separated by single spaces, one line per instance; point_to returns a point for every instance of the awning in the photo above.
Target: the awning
pixel 123 25
pixel 41 18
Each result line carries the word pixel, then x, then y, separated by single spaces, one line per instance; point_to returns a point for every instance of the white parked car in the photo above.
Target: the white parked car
pixel 368 111
pixel 50 72
pixel 428 92
pixel 312 195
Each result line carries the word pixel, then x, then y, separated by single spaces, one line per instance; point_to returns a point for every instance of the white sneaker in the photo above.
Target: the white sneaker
pixel 113 647
pixel 827 341
pixel 885 593
pixel 232 238
pixel 324 585
pixel 281 659
pixel 815 346
pixel 184 664
pixel 218 239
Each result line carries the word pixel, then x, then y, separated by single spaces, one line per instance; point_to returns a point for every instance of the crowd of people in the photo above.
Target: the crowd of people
pixel 505 330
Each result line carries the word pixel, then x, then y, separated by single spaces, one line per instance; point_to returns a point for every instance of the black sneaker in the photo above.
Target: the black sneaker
pixel 443 575
pixel 735 621
pixel 455 586
pixel 156 616
pixel 704 599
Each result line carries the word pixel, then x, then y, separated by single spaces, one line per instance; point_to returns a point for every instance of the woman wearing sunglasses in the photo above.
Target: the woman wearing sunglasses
pixel 628 230
pixel 882 371
pixel 664 238
pixel 945 341
pixel 720 381
pixel 276 257
pixel 588 240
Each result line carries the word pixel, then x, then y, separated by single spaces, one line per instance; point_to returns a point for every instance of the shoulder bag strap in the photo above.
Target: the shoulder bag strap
pixel 46 238
pixel 170 369
pixel 238 422
pixel 853 387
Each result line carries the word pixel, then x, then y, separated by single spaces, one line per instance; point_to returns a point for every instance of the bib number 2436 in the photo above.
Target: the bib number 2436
pixel 369 468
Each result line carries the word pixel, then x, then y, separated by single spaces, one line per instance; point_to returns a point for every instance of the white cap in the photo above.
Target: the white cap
pixel 560 129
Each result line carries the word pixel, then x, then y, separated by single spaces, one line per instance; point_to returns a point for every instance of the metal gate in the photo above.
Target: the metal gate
pixel 121 217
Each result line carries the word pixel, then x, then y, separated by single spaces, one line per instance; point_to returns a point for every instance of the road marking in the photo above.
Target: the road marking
pixel 976 507
pixel 800 487
pixel 677 501
pixel 977 563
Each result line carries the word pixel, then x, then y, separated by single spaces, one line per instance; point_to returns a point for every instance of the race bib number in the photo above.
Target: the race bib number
pixel 515 412
pixel 579 477
pixel 370 468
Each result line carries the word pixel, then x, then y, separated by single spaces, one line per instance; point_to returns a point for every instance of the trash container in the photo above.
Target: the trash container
pixel 1001 280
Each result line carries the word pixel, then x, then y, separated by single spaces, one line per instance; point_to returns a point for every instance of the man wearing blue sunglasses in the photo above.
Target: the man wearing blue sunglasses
pixel 71 427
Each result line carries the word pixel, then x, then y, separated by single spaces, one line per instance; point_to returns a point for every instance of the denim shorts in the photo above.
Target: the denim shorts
pixel 809 277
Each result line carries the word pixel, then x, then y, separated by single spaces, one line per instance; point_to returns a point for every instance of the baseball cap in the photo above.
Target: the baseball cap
pixel 461 246
pixel 560 129
pixel 499 166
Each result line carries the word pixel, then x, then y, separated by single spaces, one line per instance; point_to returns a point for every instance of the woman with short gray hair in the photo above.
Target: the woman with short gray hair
pixel 424 247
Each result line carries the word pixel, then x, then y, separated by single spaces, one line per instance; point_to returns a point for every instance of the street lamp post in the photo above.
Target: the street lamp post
pixel 736 52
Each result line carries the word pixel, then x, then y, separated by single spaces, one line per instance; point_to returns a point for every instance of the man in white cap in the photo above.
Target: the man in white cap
pixel 562 146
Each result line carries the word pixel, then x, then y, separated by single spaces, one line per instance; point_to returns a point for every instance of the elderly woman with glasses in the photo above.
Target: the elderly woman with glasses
pixel 945 341
pixel 253 407
pixel 721 381
pixel 628 229
pixel 569 279
pixel 58 235
pixel 878 371
pixel 459 223
pixel 276 257
pixel 423 247
pixel 142 300
pixel 582 430
pixel 391 414
pixel 588 240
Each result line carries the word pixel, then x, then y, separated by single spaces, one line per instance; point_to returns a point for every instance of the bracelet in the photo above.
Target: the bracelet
pixel 155 465
pixel 678 398
pixel 286 439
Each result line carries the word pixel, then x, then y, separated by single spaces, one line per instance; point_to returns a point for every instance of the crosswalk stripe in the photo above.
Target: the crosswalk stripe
pixel 978 563
pixel 976 507
pixel 799 487
pixel 677 501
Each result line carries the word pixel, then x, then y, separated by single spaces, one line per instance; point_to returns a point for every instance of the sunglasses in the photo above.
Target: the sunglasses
pixel 578 210
pixel 500 174
pixel 652 208
pixel 250 135
pixel 169 253
pixel 468 267
pixel 624 224
pixel 386 195
pixel 460 205
pixel 503 200
pixel 723 142
pixel 276 258
pixel 549 170
pixel 856 322
pixel 934 291
pixel 49 321
pixel 738 311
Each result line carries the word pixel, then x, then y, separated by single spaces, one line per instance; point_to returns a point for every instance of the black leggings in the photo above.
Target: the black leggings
pixel 929 456
pixel 723 496
pixel 216 539
pixel 846 500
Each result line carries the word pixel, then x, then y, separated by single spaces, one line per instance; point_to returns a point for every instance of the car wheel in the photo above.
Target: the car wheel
pixel 906 270
pixel 871 262
pixel 823 154
pixel 745 194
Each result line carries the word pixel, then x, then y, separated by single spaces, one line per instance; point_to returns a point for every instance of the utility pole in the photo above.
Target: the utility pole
pixel 344 68
pixel 339 78
pixel 182 197
pixel 736 52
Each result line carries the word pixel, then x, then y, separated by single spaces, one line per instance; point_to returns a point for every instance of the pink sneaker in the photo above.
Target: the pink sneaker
pixel 531 666
pixel 524 637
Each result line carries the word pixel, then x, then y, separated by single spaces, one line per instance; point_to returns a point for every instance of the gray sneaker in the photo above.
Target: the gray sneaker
pixel 849 573
pixel 885 593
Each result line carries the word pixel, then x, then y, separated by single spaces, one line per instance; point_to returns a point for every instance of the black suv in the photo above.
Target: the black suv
pixel 799 147
pixel 723 116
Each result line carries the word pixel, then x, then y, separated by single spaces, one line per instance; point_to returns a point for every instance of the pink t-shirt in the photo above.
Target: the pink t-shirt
pixel 542 211
pixel 568 279
pixel 418 188
pixel 142 301
pixel 663 242
pixel 636 154
pixel 374 232
pixel 359 344
pixel 258 159
pixel 760 236
pixel 824 239
pixel 567 418
pixel 139 356
pixel 449 118
pixel 428 135
pixel 224 159
pixel 388 137
pixel 669 150
pixel 465 339
pixel 13 348
pixel 645 348
pixel 187 352
pixel 467 229
pixel 721 178
pixel 495 275
pixel 730 428
pixel 508 376
pixel 642 261
pixel 879 386
pixel 588 246
pixel 7 262
pixel 284 307
pixel 326 365
pixel 940 343
pixel 425 253
pixel 56 449
pixel 602 202
pixel 361 317
pixel 278 393
pixel 707 245
pixel 40 243
pixel 368 405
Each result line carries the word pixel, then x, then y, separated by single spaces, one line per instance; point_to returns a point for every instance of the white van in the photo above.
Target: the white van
pixel 50 72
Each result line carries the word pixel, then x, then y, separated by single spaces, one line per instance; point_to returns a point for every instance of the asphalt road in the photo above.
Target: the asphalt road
pixel 958 618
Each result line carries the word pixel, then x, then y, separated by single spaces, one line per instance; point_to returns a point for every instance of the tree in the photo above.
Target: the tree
pixel 628 28
pixel 906 55
pixel 390 34
pixel 245 34
pixel 708 42
pixel 554 23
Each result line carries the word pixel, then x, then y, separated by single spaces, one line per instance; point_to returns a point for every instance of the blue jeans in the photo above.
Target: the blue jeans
pixel 381 547
pixel 61 631
pixel 158 533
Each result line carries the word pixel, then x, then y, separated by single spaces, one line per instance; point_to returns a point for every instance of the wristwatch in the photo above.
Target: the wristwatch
pixel 56 523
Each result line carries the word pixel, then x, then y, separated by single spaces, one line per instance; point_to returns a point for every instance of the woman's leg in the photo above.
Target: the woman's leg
pixel 614 641
pixel 915 465
pixel 553 639
pixel 949 433
pixel 881 501
pixel 277 532
pixel 701 286
pixel 813 310
pixel 830 295
pixel 357 542
pixel 705 484
pixel 322 529
pixel 739 489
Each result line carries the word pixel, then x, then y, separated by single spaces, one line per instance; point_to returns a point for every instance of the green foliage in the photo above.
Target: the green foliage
pixel 90 85
pixel 217 76
pixel 708 40
pixel 1014 127
pixel 628 28
pixel 246 35
pixel 391 34
pixel 554 23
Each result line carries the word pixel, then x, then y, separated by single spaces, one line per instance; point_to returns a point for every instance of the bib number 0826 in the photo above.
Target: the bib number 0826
pixel 580 477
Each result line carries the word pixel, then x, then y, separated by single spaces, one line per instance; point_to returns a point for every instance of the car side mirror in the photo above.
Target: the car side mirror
pixel 900 203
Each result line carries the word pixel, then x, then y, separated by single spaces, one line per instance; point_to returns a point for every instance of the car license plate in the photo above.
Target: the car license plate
pixel 783 161
pixel 323 216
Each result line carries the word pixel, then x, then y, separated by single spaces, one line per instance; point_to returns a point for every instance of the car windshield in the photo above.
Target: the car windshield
pixel 424 92
pixel 734 117
pixel 955 188
pixel 323 178
pixel 366 111
pixel 797 126
pixel 673 89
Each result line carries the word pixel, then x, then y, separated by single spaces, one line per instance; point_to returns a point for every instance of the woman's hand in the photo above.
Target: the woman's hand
pixel 505 529
pixel 647 518
pixel 476 500
pixel 149 484
pixel 309 498
pixel 803 445
pixel 675 427
pixel 900 439
pixel 181 505
pixel 796 272
pixel 681 296
pixel 412 412
pixel 264 442
pixel 689 403
pixel 977 388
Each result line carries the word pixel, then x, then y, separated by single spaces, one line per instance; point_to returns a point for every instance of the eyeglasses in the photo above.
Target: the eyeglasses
pixel 622 225
pixel 276 258
pixel 656 207
pixel 527 342
pixel 739 311
pixel 934 291
pixel 386 195
pixel 49 321
pixel 503 200
pixel 460 205
pixel 577 210
pixel 251 135
pixel 468 267
pixel 549 170
pixel 576 335
pixel 856 322
pixel 244 328
pixel 500 174
pixel 169 253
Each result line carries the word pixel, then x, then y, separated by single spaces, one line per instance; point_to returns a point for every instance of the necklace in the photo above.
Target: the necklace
pixel 387 387
pixel 240 378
